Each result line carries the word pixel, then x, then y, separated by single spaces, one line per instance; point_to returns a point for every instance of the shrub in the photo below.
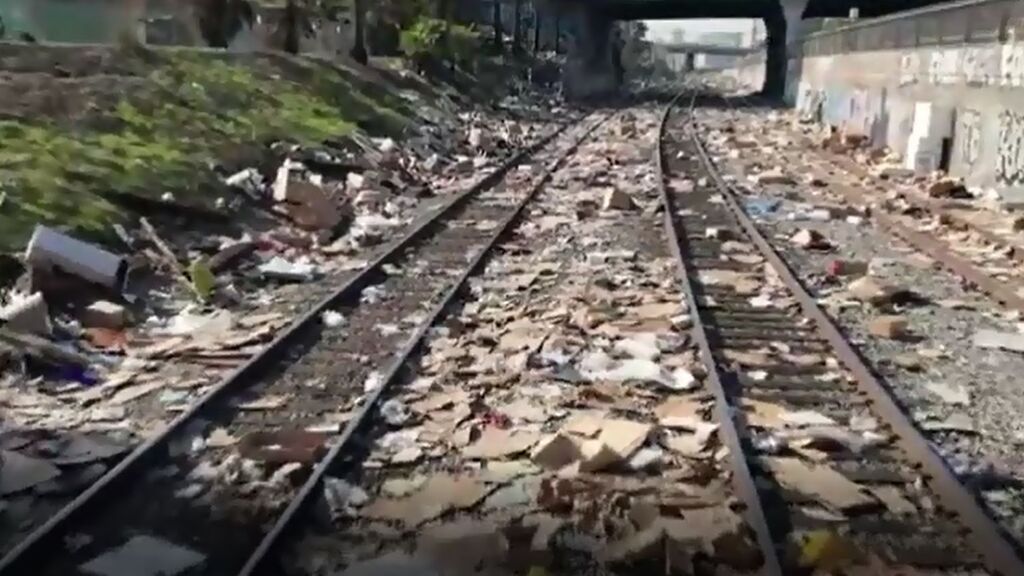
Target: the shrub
pixel 430 40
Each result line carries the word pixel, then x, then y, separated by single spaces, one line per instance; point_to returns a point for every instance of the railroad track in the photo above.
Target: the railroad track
pixel 819 450
pixel 296 407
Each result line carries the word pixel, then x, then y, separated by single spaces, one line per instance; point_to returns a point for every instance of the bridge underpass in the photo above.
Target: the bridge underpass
pixel 590 71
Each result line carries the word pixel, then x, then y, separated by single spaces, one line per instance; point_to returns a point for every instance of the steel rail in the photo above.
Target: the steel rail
pixel 256 564
pixel 997 551
pixel 742 478
pixel 938 250
pixel 17 561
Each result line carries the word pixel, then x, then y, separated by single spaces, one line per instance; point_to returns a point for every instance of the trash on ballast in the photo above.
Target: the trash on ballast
pixel 995 339
pixel 144 556
pixel 343 498
pixel 395 412
pixel 27 314
pixel 950 393
pixel 837 268
pixel 827 551
pixel 869 290
pixel 776 177
pixel 48 250
pixel 760 207
pixel 308 205
pixel 615 199
pixel 19 472
pixel 373 381
pixel 949 188
pixel 556 451
pixel 682 380
pixel 496 443
pixel 715 233
pixel 283 446
pixel 104 314
pixel 437 496
pixel 332 318
pixel 810 240
pixel 203 280
pixel 44 350
pixel 281 269
pixel 891 327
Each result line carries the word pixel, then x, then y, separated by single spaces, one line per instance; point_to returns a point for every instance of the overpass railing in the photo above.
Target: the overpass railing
pixel 952 24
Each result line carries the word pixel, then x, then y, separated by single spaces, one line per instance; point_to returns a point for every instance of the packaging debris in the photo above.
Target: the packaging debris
pixel 49 250
pixel 144 555
pixel 890 327
pixel 27 314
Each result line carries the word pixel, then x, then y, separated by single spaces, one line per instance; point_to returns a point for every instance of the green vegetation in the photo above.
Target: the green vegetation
pixel 192 111
pixel 430 41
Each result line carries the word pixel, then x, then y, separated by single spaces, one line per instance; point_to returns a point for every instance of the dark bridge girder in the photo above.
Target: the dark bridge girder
pixel 678 9
pixel 591 69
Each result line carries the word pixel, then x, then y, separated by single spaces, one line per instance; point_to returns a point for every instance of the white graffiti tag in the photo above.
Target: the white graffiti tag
pixel 970 128
pixel 1010 168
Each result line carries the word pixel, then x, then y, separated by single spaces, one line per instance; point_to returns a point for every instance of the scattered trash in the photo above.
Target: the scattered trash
pixel 394 412
pixel 890 327
pixel 332 318
pixel 343 499
pixel 810 240
pixel 282 269
pixel 761 207
pixel 27 314
pixel 49 250
pixel 144 556
pixel 994 339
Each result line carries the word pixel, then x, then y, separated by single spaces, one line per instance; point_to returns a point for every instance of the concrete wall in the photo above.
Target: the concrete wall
pixel 954 73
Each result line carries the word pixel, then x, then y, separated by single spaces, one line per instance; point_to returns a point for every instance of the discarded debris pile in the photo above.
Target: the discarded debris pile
pixel 563 398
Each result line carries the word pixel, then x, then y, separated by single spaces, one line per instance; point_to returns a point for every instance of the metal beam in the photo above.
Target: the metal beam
pixel 671 9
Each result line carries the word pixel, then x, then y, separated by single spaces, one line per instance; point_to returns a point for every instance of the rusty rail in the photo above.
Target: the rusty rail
pixel 742 479
pixel 994 547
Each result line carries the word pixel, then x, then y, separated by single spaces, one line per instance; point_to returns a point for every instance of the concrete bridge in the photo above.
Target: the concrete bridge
pixel 592 71
pixel 711 49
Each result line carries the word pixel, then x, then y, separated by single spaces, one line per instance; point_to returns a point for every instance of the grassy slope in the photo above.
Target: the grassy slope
pixel 182 112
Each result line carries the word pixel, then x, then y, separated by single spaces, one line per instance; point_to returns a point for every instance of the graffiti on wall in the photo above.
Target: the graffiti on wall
pixel 810 102
pixel 970 136
pixel 1010 166
pixel 981 65
pixel 1011 64
pixel 859 116
pixel 910 66
pixel 944 66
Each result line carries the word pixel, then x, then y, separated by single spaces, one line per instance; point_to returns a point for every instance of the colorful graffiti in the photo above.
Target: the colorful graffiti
pixel 1010 164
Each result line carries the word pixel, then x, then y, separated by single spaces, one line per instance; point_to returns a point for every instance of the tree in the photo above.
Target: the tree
pixel 496 19
pixel 536 30
pixel 359 42
pixel 517 26
pixel 219 21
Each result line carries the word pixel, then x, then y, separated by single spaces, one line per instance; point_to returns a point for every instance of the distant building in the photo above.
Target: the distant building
pixel 716 61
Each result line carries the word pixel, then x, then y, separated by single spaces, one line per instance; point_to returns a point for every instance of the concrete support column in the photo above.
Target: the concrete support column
pixel 783 25
pixel 590 70
pixel 689 62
